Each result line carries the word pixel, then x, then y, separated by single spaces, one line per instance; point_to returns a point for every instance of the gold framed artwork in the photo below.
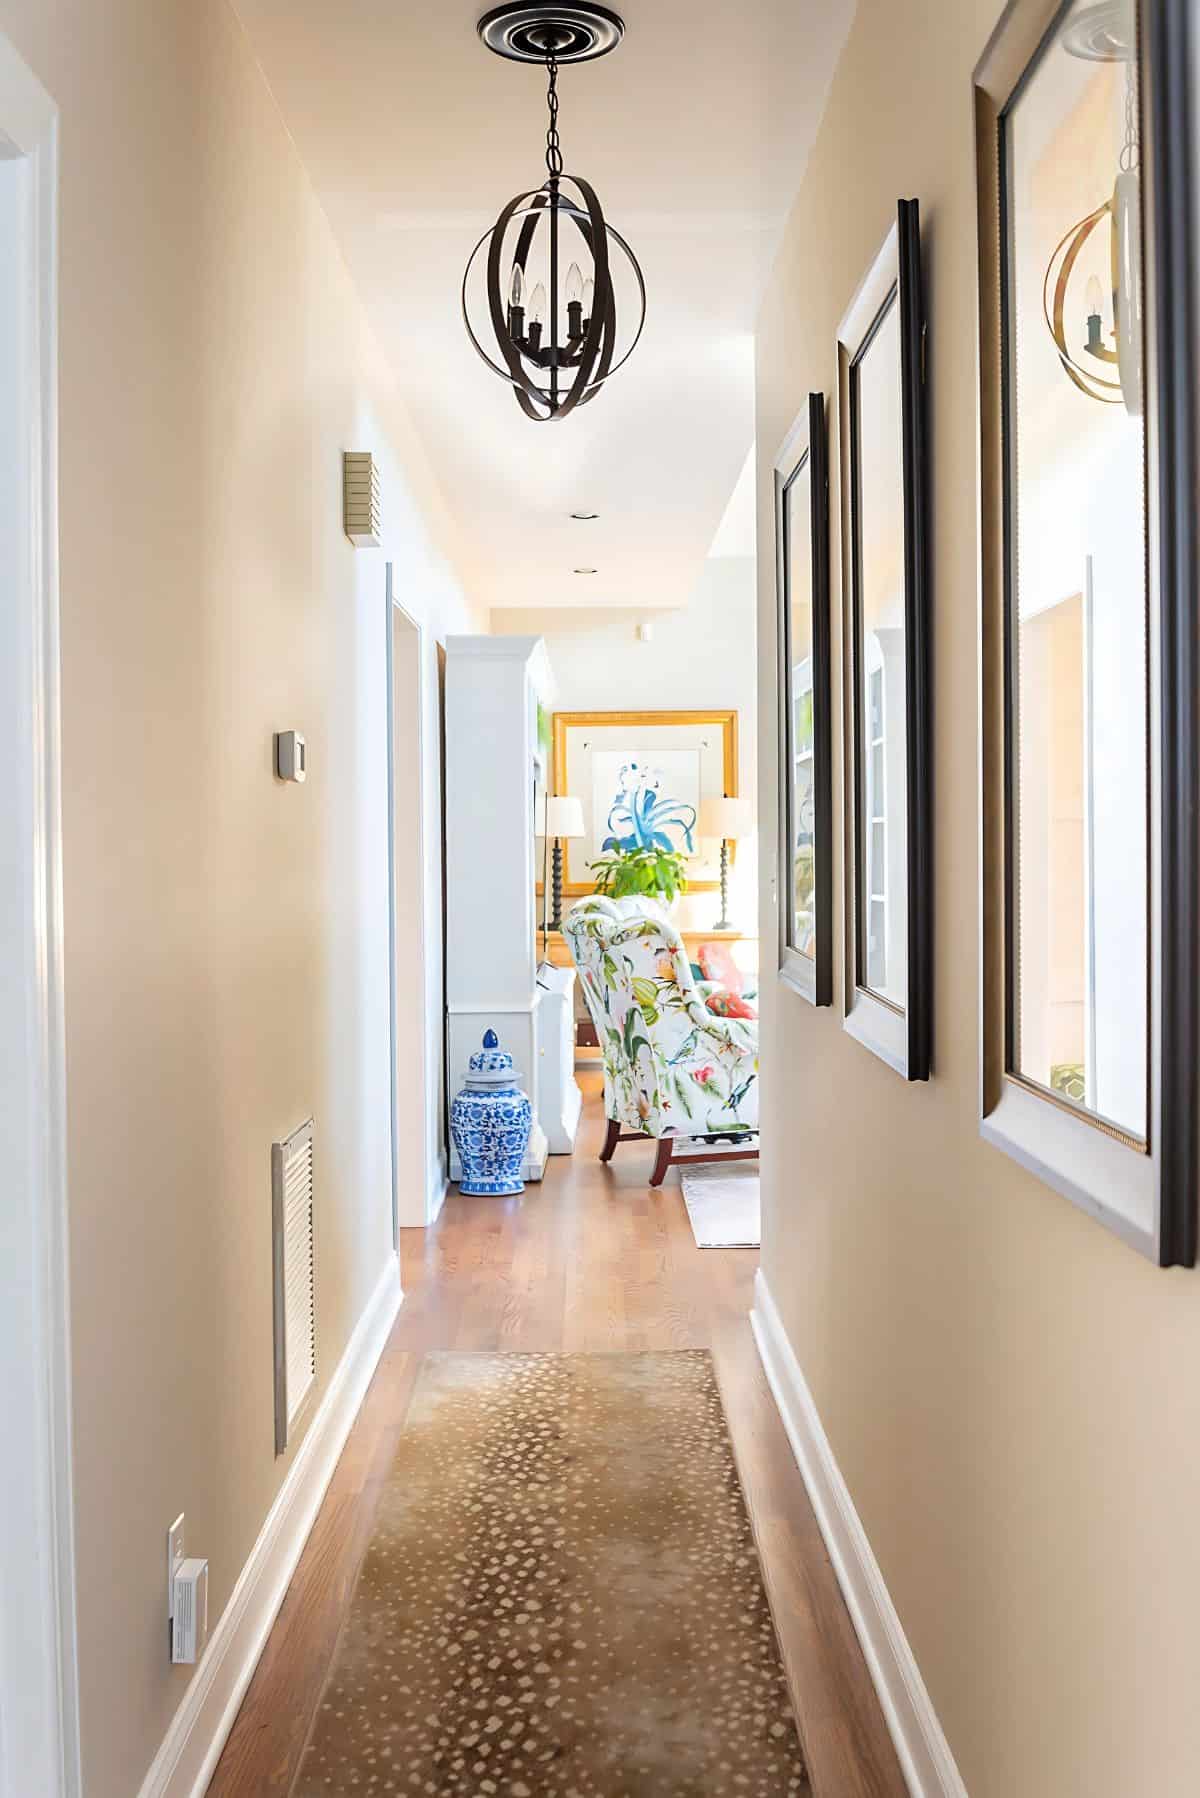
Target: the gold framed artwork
pixel 643 774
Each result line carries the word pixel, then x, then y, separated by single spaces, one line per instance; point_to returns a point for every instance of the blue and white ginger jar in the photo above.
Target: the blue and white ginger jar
pixel 490 1120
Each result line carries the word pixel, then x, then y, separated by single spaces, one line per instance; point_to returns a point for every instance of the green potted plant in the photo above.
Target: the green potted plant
pixel 647 871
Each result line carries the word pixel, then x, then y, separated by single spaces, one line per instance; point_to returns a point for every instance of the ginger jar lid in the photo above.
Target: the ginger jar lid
pixel 491 1066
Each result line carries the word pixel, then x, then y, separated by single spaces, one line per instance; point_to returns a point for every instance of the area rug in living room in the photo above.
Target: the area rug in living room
pixel 561 1597
pixel 722 1205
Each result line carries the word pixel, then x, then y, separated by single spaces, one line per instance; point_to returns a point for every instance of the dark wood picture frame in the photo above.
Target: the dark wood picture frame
pixel 1146 1192
pixel 806 449
pixel 902 1036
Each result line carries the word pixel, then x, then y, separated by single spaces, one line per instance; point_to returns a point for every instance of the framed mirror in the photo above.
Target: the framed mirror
pixel 1090 980
pixel 889 979
pixel 805 735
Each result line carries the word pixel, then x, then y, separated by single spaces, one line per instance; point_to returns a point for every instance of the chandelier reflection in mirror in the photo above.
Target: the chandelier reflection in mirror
pixel 1110 372
pixel 546 268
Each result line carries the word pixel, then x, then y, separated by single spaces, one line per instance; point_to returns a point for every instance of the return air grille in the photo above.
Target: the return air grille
pixel 295 1287
pixel 362 517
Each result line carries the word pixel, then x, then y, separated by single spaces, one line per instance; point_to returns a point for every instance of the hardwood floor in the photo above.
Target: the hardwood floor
pixel 592 1258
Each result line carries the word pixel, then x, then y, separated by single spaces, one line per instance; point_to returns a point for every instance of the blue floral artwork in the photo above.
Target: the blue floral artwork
pixel 644 816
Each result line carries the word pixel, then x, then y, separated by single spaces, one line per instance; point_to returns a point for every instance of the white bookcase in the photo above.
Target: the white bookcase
pixel 493 772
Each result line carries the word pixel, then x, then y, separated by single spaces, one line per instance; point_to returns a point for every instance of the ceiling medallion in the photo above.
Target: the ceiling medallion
pixel 549 257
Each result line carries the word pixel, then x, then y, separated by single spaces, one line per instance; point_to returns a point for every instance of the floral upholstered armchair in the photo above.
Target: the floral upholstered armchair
pixel 672 1069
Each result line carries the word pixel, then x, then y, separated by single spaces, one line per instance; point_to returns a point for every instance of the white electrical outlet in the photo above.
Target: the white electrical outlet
pixel 176 1555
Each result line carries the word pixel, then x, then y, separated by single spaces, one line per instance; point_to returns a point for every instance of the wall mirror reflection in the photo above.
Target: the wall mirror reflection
pixel 889 976
pixel 1088 576
pixel 806 820
pixel 1078 698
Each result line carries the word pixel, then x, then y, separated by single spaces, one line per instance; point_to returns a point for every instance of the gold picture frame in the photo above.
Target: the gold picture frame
pixel 622 731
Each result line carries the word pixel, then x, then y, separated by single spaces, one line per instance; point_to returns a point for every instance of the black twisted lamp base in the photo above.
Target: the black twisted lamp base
pixel 556 914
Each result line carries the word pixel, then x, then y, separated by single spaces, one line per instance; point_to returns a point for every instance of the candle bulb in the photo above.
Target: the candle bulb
pixel 574 292
pixel 516 308
pixel 1095 300
pixel 537 311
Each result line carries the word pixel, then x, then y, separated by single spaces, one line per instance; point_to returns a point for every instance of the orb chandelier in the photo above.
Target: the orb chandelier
pixel 546 266
pixel 1108 372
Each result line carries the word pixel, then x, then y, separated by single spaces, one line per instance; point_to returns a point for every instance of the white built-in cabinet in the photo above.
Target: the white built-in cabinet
pixel 495 773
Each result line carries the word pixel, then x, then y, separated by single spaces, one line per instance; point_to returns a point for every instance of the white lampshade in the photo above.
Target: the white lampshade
pixel 564 816
pixel 724 818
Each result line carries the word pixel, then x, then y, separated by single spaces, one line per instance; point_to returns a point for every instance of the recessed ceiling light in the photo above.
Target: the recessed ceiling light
pixel 584 571
pixel 583 517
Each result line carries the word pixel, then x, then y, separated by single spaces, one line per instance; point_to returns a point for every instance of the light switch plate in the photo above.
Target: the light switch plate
pixel 176 1555
pixel 291 755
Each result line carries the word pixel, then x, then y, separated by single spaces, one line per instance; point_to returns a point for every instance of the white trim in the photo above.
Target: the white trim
pixel 480 1008
pixel 925 1756
pixel 877 1027
pixel 1104 1176
pixel 439 1186
pixel 798 973
pixel 192 1746
pixel 871 294
pixel 418 1075
pixel 39 1749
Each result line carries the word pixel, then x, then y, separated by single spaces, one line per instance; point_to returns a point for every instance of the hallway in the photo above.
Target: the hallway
pixel 591 1260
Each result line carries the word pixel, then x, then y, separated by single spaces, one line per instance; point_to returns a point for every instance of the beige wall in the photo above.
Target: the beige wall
pixel 1013 1396
pixel 226 936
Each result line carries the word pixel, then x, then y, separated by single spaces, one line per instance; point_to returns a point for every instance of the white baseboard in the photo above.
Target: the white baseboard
pixel 924 1753
pixel 439 1186
pixel 191 1748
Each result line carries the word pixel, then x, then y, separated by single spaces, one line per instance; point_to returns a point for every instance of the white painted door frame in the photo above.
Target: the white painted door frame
pixel 39 1718
pixel 413 1094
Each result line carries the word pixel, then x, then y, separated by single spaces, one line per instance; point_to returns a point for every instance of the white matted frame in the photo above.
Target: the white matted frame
pixel 39 1745
pixel 1144 1191
pixel 899 1035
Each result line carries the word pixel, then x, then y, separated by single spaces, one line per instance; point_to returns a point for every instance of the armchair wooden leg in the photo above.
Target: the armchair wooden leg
pixel 662 1160
pixel 610 1141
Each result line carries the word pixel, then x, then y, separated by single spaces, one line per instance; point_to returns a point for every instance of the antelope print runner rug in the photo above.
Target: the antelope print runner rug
pixel 561 1598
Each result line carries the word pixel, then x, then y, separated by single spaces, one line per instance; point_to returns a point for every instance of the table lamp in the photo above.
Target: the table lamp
pixel 728 819
pixel 564 818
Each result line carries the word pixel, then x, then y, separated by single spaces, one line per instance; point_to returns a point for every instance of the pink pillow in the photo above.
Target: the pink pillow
pixel 717 964
pixel 730 1005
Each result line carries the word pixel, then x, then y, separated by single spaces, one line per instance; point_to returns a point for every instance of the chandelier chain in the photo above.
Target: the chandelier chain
pixel 1129 149
pixel 554 161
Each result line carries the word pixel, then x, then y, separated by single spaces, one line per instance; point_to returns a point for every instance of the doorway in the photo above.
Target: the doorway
pixel 413 1005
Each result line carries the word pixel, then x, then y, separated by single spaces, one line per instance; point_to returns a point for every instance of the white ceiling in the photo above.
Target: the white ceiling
pixel 694 131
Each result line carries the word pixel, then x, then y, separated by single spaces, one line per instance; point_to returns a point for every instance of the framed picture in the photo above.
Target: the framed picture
pixel 805 771
pixel 889 965
pixel 1090 980
pixel 642 772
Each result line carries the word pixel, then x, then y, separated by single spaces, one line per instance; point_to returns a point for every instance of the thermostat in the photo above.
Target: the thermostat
pixel 291 755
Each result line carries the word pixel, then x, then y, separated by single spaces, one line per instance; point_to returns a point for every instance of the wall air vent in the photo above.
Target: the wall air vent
pixel 362 515
pixel 295 1284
